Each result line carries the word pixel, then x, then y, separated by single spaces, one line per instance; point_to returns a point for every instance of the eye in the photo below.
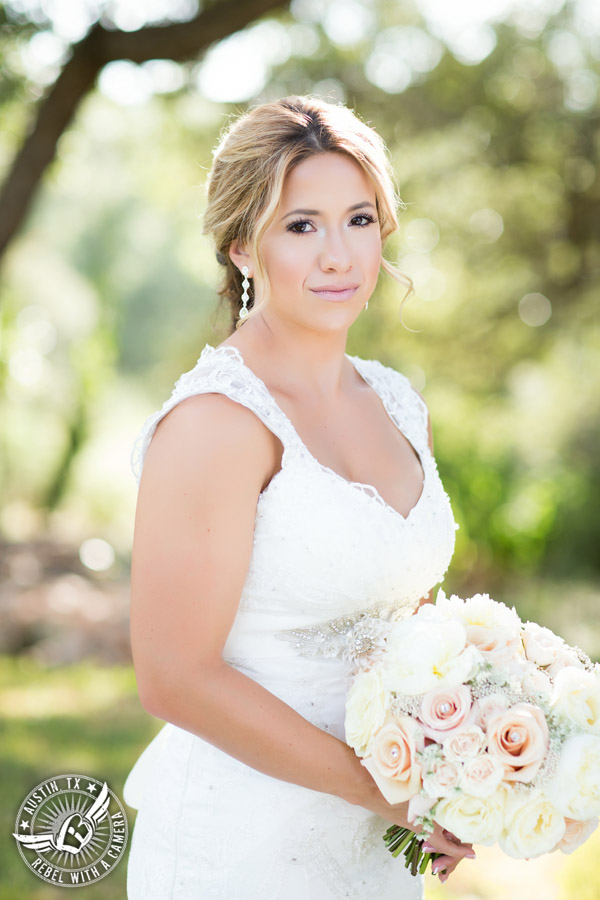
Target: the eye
pixel 293 226
pixel 366 216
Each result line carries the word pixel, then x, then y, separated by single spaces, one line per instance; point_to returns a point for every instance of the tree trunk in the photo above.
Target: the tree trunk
pixel 177 41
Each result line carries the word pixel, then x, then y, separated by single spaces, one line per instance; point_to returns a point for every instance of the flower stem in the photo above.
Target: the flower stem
pixel 399 839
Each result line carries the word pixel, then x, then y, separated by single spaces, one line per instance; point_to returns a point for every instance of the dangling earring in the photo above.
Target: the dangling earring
pixel 245 284
pixel 367 305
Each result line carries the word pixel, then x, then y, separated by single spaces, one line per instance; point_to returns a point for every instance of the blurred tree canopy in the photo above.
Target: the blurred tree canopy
pixel 108 292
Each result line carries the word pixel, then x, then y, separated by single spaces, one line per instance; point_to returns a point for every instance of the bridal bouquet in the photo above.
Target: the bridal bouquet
pixel 487 725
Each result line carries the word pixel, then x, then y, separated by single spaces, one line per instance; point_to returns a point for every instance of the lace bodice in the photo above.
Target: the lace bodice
pixel 327 552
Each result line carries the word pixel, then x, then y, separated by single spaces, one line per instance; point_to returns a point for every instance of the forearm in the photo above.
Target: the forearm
pixel 231 711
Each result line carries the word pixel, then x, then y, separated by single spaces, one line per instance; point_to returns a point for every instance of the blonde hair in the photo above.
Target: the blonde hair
pixel 252 158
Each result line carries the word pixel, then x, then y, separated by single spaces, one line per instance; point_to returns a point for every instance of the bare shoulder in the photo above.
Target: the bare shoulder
pixel 210 433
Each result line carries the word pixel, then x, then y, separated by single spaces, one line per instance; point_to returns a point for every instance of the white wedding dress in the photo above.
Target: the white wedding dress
pixel 325 551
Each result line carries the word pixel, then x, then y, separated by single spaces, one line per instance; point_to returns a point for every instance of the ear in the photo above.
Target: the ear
pixel 240 257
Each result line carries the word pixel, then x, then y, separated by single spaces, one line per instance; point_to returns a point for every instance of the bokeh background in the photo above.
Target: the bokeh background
pixel 109 111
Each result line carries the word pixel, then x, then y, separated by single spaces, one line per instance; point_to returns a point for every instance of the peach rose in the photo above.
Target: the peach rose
pixel 465 744
pixel 519 738
pixel 441 778
pixel 393 764
pixel 481 776
pixel 576 832
pixel 487 707
pixel 444 710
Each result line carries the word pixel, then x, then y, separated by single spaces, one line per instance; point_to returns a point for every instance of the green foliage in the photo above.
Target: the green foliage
pixel 497 163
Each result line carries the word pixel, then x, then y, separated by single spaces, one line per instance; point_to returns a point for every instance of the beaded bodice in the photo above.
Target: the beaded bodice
pixel 326 550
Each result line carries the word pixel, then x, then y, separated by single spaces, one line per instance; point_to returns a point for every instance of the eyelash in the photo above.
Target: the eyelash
pixel 370 220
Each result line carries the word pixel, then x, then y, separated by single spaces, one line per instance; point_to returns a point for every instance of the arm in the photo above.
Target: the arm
pixel 205 467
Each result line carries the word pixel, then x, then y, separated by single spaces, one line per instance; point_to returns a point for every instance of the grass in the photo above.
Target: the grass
pixel 79 718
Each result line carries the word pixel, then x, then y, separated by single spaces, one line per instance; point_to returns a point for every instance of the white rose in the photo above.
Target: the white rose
pixel 365 710
pixel 576 833
pixel 568 657
pixel 476 820
pixel 577 696
pixel 490 625
pixel 481 775
pixel 535 681
pixel 441 778
pixel 532 826
pixel 423 653
pixel 542 646
pixel 465 744
pixel 575 789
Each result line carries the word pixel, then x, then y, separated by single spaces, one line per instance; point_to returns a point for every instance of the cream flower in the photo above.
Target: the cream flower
pixel 424 653
pixel 535 681
pixel 575 789
pixel 393 763
pixel 481 775
pixel 576 832
pixel 519 738
pixel 541 645
pixel 365 710
pixel 490 625
pixel 532 826
pixel 577 696
pixel 475 820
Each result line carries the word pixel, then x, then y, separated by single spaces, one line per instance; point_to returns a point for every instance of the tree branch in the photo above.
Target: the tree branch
pixel 177 41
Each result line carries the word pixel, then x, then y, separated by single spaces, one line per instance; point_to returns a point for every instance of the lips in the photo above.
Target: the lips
pixel 335 292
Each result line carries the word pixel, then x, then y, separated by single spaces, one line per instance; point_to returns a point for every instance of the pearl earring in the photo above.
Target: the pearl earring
pixel 245 284
pixel 367 305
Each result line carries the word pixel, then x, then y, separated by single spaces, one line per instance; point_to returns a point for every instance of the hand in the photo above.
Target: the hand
pixel 452 850
pixel 439 841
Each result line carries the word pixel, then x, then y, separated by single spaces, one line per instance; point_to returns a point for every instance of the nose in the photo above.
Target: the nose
pixel 335 250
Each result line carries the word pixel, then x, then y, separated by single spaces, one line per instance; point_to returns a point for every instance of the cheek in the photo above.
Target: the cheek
pixel 286 263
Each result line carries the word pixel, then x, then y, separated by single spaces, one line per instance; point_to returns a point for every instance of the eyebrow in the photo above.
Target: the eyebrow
pixel 317 212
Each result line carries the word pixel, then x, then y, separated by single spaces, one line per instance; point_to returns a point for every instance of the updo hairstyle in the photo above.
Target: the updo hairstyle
pixel 250 162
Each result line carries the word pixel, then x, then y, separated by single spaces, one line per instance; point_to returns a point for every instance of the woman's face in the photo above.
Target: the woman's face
pixel 325 235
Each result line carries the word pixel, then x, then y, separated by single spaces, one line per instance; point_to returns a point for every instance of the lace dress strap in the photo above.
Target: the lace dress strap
pixel 219 370
pixel 403 403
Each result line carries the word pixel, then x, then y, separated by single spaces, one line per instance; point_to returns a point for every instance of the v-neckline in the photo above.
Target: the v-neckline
pixel 353 484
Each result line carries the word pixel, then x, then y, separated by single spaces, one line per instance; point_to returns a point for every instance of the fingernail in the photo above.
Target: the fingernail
pixel 471 854
pixel 428 848
pixel 443 878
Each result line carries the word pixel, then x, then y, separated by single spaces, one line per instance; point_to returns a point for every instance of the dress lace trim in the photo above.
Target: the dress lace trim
pixel 402 403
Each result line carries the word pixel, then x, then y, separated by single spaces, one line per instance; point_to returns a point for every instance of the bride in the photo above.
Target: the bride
pixel 287 488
